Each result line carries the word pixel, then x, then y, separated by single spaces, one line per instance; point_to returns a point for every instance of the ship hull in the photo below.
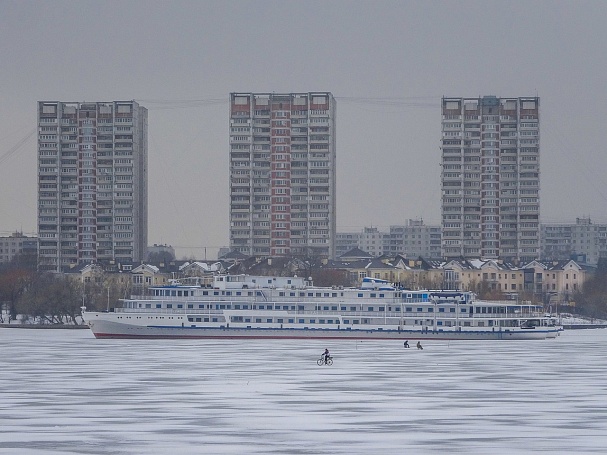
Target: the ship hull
pixel 111 329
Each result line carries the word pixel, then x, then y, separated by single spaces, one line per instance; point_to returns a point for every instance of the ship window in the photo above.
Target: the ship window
pixel 419 309
pixel 319 294
pixel 370 308
pixel 451 310
pixel 285 307
pixel 201 306
pixel 198 319
pixel 325 308
pixel 343 308
pixel 228 292
pixel 301 321
pixel 310 294
pixel 381 296
pixel 346 321
pixel 463 310
pixel 334 308
pixel 216 293
pixel 158 305
pixel 382 308
pixel 466 323
pixel 439 322
pixel 373 295
pixel 330 321
pixel 397 309
pixel 365 321
pixel 430 310
pixel 408 309
pixel 326 294
pixel 355 321
pixel 179 293
pixel 334 294
pixel 312 321
pixel 222 307
pixel 281 294
pixel 261 307
pixel 237 307
pixel 258 320
pixel 214 319
pixel 180 305
pixel 291 321
pixel 169 305
pixel 300 308
pixel 292 294
pixel 259 293
pixel 247 320
pixel 245 307
pixel 269 320
pixel 352 308
pixel 302 294
pixel 321 321
pixel 279 321
pixel 360 294
pixel 206 319
pixel 205 292
pixel 190 306
pixel 190 319
pixel 441 310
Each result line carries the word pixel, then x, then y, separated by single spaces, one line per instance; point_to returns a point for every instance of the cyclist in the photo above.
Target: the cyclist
pixel 326 355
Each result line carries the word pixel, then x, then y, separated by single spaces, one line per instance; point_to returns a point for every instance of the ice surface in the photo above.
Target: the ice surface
pixel 64 392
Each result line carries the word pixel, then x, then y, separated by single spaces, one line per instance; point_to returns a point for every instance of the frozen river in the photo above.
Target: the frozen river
pixel 64 392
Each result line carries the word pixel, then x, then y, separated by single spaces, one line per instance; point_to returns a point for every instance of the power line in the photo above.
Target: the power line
pixel 17 146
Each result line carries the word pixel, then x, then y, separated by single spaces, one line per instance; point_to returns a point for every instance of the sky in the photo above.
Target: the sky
pixel 388 63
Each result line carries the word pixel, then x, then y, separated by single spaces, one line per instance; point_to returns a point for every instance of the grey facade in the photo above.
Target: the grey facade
pixel 583 241
pixel 282 174
pixel 92 182
pixel 490 178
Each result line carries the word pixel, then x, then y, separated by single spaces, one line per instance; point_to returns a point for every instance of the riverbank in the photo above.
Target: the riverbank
pixel 43 326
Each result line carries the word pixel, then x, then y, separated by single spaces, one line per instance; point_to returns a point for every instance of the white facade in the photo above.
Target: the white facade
pixel 92 182
pixel 490 178
pixel 282 174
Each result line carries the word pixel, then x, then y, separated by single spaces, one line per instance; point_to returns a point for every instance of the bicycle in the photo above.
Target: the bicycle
pixel 320 362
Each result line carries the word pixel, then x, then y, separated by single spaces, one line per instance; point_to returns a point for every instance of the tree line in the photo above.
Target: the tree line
pixel 28 295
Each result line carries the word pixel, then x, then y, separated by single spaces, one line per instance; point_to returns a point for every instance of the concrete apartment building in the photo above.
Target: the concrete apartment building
pixel 585 241
pixel 490 178
pixel 16 244
pixel 282 174
pixel 415 239
pixel 411 240
pixel 92 182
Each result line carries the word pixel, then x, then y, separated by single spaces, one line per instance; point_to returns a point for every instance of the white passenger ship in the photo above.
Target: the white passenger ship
pixel 244 306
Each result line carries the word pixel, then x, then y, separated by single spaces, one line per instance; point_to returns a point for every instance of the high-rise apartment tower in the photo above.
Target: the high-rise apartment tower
pixel 490 178
pixel 92 182
pixel 282 174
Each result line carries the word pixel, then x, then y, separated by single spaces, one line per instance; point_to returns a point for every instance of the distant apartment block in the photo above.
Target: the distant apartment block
pixel 415 239
pixel 490 178
pixel 411 240
pixel 92 182
pixel 282 174
pixel 17 244
pixel 584 241
pixel 346 241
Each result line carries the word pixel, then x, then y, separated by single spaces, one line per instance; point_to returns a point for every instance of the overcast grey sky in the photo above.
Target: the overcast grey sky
pixel 388 63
